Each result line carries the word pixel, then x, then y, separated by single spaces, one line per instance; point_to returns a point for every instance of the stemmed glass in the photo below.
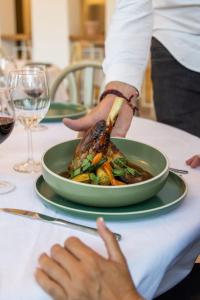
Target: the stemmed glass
pixel 37 67
pixel 29 92
pixel 7 120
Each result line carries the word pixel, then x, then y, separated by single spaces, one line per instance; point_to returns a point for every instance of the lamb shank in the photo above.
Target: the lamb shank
pixel 98 161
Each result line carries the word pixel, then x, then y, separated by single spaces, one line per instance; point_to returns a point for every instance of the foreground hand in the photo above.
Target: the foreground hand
pixel 76 272
pixel 101 111
pixel 194 161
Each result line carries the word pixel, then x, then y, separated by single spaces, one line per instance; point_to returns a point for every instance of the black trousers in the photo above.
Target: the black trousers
pixel 176 91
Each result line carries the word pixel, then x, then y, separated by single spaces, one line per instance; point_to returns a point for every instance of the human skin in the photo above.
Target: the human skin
pixel 76 272
pixel 102 110
pixel 194 161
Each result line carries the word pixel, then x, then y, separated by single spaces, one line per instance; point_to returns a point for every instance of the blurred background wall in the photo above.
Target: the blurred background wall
pixel 60 32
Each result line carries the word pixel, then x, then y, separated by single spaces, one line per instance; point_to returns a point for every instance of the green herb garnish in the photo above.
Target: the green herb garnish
pixel 121 166
pixel 77 172
pixel 118 172
pixel 94 178
pixel 90 157
pixel 86 166
pixel 100 163
pixel 120 161
pixel 93 168
pixel 133 172
pixel 71 174
pixel 84 162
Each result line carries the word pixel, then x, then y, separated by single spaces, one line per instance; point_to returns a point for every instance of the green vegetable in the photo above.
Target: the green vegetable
pixel 103 177
pixel 90 157
pixel 93 168
pixel 71 174
pixel 118 172
pixel 121 167
pixel 84 162
pixel 94 178
pixel 133 172
pixel 100 163
pixel 76 172
pixel 86 166
pixel 120 161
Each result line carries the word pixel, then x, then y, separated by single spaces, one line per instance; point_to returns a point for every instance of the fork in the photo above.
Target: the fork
pixel 179 171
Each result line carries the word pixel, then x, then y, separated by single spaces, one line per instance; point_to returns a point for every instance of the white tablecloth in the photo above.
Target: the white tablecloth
pixel 160 249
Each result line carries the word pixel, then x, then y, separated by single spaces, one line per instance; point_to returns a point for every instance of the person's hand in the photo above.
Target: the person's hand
pixel 194 161
pixel 76 272
pixel 102 110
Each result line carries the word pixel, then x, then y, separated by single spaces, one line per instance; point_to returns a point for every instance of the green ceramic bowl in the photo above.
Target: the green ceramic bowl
pixel 56 159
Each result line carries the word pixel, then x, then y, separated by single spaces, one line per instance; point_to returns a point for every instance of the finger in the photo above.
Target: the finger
pixel 196 162
pixel 49 286
pixel 98 113
pixel 64 258
pixel 188 162
pixel 80 134
pixel 53 270
pixel 79 249
pixel 123 122
pixel 79 124
pixel 110 241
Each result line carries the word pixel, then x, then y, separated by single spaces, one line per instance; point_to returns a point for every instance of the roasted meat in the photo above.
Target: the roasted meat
pixel 97 160
pixel 97 138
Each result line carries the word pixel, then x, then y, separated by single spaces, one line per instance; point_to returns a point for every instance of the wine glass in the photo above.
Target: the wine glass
pixel 7 120
pixel 36 67
pixel 29 92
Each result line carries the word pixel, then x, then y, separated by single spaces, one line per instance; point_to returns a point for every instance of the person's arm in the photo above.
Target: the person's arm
pixel 127 51
pixel 128 43
pixel 75 271
pixel 194 161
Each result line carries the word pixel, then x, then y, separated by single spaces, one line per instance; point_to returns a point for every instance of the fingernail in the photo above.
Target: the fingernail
pixel 102 221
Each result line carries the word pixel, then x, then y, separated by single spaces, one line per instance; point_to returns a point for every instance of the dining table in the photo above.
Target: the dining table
pixel 160 248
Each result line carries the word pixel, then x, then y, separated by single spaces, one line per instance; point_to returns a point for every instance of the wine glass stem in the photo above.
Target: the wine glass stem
pixel 30 144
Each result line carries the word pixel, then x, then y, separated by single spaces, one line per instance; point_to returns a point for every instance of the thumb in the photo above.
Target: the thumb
pixel 110 242
pixel 123 121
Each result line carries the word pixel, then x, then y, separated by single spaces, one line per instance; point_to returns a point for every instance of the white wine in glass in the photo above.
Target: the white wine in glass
pixel 29 92
pixel 37 67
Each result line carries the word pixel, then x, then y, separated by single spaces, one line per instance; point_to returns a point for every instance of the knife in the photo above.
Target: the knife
pixel 41 217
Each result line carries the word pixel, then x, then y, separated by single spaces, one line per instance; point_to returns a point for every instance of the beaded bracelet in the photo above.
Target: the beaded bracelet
pixel 119 94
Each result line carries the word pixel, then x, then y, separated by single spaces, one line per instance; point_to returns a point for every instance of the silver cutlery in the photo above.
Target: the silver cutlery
pixel 41 217
pixel 179 171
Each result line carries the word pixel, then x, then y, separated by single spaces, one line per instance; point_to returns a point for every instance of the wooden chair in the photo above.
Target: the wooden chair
pixel 86 50
pixel 81 82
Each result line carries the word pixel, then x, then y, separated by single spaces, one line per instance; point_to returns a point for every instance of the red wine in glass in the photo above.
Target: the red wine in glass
pixel 6 126
pixel 34 93
pixel 7 117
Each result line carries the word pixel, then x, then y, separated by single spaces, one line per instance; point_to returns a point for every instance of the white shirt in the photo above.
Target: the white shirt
pixel 175 23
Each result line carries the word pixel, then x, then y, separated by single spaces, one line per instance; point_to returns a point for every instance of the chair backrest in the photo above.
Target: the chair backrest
pixel 87 51
pixel 80 82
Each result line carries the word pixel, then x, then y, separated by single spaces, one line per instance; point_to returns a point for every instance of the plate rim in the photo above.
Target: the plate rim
pixel 56 117
pixel 142 212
